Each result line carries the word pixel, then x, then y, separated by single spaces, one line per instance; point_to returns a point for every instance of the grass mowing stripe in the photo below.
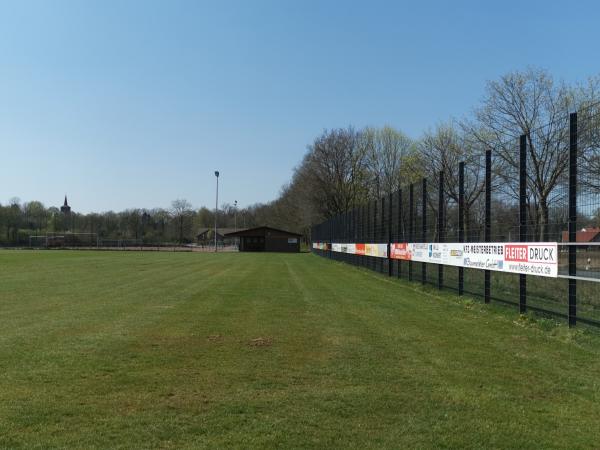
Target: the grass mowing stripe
pixel 168 350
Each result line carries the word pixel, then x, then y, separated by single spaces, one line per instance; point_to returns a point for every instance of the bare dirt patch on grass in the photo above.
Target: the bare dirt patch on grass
pixel 261 342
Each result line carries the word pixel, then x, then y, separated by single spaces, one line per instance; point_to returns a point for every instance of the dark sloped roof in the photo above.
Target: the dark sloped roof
pixel 221 231
pixel 239 232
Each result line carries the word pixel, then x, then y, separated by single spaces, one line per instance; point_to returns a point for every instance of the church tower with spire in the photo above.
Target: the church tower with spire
pixel 65 208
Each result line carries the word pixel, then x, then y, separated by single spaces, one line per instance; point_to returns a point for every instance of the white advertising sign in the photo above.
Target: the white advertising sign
pixel 529 258
pixel 347 248
pixel 376 250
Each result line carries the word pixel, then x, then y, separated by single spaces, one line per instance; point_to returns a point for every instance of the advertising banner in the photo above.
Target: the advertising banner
pixel 529 258
pixel 400 251
pixel 383 250
pixel 532 258
pixel 344 248
pixel 376 250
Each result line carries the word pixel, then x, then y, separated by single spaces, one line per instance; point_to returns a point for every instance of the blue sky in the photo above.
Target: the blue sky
pixel 126 104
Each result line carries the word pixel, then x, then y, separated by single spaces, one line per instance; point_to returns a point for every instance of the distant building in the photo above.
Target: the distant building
pixel 65 208
pixel 267 239
pixel 585 235
pixel 207 236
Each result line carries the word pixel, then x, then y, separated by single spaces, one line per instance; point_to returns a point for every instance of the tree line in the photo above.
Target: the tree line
pixel 346 167
pixel 179 224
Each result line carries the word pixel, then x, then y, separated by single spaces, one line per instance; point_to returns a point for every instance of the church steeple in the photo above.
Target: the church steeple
pixel 65 208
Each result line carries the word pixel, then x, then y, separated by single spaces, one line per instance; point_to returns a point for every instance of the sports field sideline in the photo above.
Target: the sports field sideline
pixel 189 350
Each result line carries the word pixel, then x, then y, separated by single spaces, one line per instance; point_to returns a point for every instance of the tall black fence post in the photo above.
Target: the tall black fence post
pixel 346 225
pixel 424 227
pixel 374 229
pixel 355 223
pixel 523 217
pixel 373 265
pixel 329 233
pixel 355 234
pixel 332 235
pixel 572 218
pixel 441 226
pixel 346 230
pixel 487 232
pixel 336 230
pixel 400 233
pixel 362 232
pixel 368 222
pixel 389 244
pixel 382 234
pixel 349 223
pixel 461 221
pixel 365 235
pixel 411 224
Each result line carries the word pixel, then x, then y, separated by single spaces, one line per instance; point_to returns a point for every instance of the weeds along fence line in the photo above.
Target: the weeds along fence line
pixel 517 224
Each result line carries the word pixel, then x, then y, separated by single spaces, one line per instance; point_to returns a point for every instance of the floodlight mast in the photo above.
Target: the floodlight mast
pixel 216 207
pixel 235 214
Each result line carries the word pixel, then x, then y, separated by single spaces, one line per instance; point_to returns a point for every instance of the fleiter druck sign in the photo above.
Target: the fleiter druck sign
pixel 530 258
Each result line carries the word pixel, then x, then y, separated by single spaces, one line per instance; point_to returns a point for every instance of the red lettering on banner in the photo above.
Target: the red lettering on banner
pixel 400 251
pixel 516 253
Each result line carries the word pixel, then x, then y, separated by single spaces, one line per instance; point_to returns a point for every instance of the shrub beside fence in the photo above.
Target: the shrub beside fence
pixel 533 190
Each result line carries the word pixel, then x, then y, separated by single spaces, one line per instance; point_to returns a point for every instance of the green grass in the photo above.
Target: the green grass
pixel 179 350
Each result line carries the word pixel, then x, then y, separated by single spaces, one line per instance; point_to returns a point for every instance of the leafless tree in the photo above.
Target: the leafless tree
pixel 588 105
pixel 443 149
pixel 527 103
pixel 182 211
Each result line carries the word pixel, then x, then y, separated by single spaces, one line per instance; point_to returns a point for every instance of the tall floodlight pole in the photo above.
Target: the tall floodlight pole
pixel 237 239
pixel 216 207
pixel 235 213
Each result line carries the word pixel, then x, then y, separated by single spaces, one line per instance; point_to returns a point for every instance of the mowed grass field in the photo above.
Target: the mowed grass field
pixel 189 350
